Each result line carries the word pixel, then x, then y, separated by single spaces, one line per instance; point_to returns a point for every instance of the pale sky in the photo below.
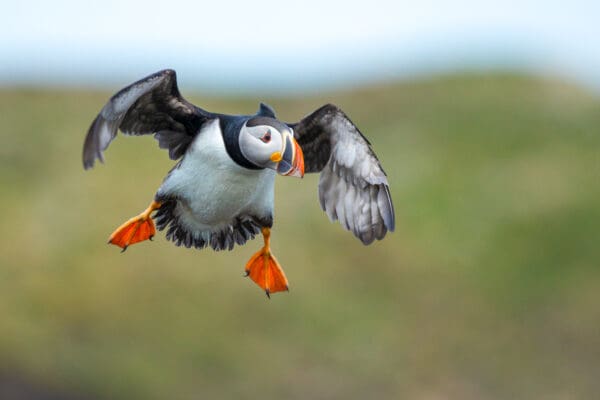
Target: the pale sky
pixel 267 45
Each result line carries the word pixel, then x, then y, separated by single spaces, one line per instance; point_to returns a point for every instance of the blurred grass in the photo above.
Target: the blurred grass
pixel 490 287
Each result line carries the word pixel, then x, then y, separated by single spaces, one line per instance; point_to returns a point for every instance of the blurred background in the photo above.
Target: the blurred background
pixel 486 118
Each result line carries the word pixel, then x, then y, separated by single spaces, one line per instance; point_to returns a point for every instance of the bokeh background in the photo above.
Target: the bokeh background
pixel 486 117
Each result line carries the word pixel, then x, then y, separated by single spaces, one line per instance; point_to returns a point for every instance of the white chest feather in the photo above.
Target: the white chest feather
pixel 213 189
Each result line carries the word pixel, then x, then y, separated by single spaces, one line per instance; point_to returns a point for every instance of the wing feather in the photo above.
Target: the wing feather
pixel 152 104
pixel 353 188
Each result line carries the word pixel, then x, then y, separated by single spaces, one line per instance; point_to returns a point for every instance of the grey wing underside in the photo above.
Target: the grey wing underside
pixel 150 105
pixel 353 188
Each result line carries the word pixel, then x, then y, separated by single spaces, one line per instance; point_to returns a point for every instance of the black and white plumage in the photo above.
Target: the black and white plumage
pixel 353 188
pixel 221 190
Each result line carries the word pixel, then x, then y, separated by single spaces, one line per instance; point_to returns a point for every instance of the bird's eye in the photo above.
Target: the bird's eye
pixel 266 137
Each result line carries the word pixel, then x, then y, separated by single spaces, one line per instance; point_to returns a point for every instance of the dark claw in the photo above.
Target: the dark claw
pixel 268 294
pixel 150 238
pixel 124 248
pixel 246 273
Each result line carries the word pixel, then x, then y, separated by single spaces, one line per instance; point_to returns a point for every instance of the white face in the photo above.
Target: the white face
pixel 262 145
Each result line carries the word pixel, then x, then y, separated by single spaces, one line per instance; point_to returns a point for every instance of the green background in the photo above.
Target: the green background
pixel 489 288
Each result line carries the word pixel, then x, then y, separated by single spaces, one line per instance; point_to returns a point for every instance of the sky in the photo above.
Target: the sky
pixel 276 46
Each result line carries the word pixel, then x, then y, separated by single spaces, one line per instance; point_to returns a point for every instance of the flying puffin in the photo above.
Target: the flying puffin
pixel 221 191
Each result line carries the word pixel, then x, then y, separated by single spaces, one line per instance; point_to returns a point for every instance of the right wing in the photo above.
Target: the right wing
pixel 150 105
pixel 352 187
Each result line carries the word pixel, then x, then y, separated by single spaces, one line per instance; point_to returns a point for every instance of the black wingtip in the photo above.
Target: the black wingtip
pixel 90 146
pixel 390 220
pixel 266 110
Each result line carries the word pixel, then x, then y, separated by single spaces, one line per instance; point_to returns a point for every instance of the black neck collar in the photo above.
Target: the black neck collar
pixel 230 128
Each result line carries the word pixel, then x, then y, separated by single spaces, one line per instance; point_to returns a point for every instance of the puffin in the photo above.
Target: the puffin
pixel 220 191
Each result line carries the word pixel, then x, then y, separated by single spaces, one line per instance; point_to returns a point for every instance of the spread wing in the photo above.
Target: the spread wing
pixel 150 105
pixel 353 188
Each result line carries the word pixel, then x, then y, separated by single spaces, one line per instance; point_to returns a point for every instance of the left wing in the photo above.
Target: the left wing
pixel 151 105
pixel 353 188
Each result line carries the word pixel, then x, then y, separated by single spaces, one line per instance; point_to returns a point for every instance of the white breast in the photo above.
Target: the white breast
pixel 213 188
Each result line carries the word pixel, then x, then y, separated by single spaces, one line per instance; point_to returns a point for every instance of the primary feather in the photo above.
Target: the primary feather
pixel 353 188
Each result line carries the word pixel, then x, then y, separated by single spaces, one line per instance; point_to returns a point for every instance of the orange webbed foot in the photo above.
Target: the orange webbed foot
pixel 265 271
pixel 136 230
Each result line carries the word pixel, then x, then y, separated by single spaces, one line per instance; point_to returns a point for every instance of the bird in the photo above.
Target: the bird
pixel 220 192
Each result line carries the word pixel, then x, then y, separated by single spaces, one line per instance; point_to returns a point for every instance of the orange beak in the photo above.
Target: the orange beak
pixel 292 160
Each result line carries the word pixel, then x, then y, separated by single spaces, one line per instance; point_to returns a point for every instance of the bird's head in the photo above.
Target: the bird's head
pixel 268 143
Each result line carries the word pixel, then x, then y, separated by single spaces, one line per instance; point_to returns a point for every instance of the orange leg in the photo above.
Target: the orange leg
pixel 137 229
pixel 264 269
